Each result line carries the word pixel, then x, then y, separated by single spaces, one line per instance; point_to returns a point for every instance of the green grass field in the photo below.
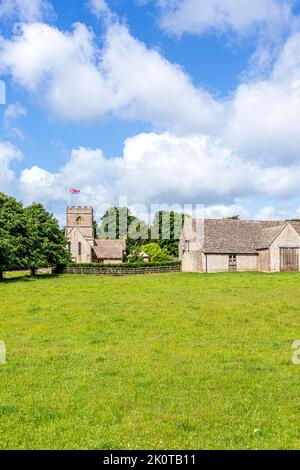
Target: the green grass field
pixel 171 361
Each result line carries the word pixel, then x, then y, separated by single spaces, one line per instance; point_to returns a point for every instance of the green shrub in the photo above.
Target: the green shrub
pixel 156 253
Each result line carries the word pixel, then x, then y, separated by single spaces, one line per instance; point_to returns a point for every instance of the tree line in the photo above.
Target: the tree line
pixel 120 223
pixel 30 237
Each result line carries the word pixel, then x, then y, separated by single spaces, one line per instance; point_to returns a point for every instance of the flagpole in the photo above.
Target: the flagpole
pixel 68 198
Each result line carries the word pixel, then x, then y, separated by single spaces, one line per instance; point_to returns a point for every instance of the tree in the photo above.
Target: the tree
pixel 156 253
pixel 118 223
pixel 95 228
pixel 166 229
pixel 13 249
pixel 46 242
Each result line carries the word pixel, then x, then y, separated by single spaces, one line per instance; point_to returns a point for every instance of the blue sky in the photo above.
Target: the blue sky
pixel 175 102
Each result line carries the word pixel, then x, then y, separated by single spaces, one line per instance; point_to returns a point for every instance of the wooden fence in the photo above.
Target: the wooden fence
pixel 122 271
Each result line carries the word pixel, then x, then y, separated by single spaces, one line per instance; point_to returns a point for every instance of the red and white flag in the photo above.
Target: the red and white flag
pixel 74 191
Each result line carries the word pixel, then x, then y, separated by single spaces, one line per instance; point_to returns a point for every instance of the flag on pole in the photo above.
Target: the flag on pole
pixel 72 191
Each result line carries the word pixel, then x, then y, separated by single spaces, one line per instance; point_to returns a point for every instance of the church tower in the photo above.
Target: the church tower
pixel 80 233
pixel 82 218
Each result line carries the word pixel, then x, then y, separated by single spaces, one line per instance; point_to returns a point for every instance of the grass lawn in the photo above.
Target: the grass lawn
pixel 171 361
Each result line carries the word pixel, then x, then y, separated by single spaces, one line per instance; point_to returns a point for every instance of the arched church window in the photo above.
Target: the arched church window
pixel 79 248
pixel 79 221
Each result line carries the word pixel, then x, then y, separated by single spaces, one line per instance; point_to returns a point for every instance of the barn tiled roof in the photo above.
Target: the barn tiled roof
pixel 109 249
pixel 296 226
pixel 239 236
pixel 269 234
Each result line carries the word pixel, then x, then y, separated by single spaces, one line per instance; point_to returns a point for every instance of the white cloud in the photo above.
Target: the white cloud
pixel 25 10
pixel 8 155
pixel 39 185
pixel 271 213
pixel 193 170
pixel 253 136
pixel 18 133
pixel 240 16
pixel 12 113
pixel 263 118
pixel 99 8
pixel 79 81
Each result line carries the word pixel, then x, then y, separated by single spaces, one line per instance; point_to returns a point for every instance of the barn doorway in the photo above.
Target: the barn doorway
pixel 232 263
pixel 289 259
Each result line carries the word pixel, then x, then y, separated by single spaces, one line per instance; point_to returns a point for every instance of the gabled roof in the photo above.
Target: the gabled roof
pixel 269 234
pixel 239 236
pixel 109 249
pixel 296 226
pixel 75 229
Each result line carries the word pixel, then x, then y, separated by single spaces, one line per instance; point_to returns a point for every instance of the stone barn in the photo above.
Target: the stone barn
pixel 211 246
pixel 82 244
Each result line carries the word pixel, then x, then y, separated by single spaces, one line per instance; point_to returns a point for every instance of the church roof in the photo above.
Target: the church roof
pixel 109 249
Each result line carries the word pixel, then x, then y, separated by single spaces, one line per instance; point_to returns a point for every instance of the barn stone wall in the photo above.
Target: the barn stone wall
pixel 288 238
pixel 217 263
pixel 263 263
pixel 192 262
pixel 191 257
pixel 247 263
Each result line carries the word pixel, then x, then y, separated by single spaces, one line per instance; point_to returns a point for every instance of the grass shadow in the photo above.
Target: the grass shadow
pixel 28 278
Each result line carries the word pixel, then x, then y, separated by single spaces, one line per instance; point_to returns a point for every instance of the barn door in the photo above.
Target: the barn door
pixel 232 263
pixel 289 259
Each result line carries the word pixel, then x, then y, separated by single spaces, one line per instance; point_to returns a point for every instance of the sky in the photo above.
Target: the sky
pixel 174 102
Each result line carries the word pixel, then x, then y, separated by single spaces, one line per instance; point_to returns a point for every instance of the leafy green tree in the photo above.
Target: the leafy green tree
pixel 166 230
pixel 118 223
pixel 13 249
pixel 156 253
pixel 95 228
pixel 46 241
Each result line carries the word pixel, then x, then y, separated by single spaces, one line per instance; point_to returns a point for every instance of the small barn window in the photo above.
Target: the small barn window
pixel 79 248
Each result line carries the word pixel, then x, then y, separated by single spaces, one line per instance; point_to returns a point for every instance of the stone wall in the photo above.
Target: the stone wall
pixel 247 263
pixel 220 263
pixel 122 270
pixel 217 263
pixel 263 262
pixel 288 238
pixel 190 253
pixel 192 262
pixel 74 239
pixel 112 261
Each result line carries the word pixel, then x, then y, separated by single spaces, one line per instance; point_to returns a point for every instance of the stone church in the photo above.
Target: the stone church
pixel 82 244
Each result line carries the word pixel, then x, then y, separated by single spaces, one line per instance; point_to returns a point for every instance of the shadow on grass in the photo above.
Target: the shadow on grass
pixel 28 278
